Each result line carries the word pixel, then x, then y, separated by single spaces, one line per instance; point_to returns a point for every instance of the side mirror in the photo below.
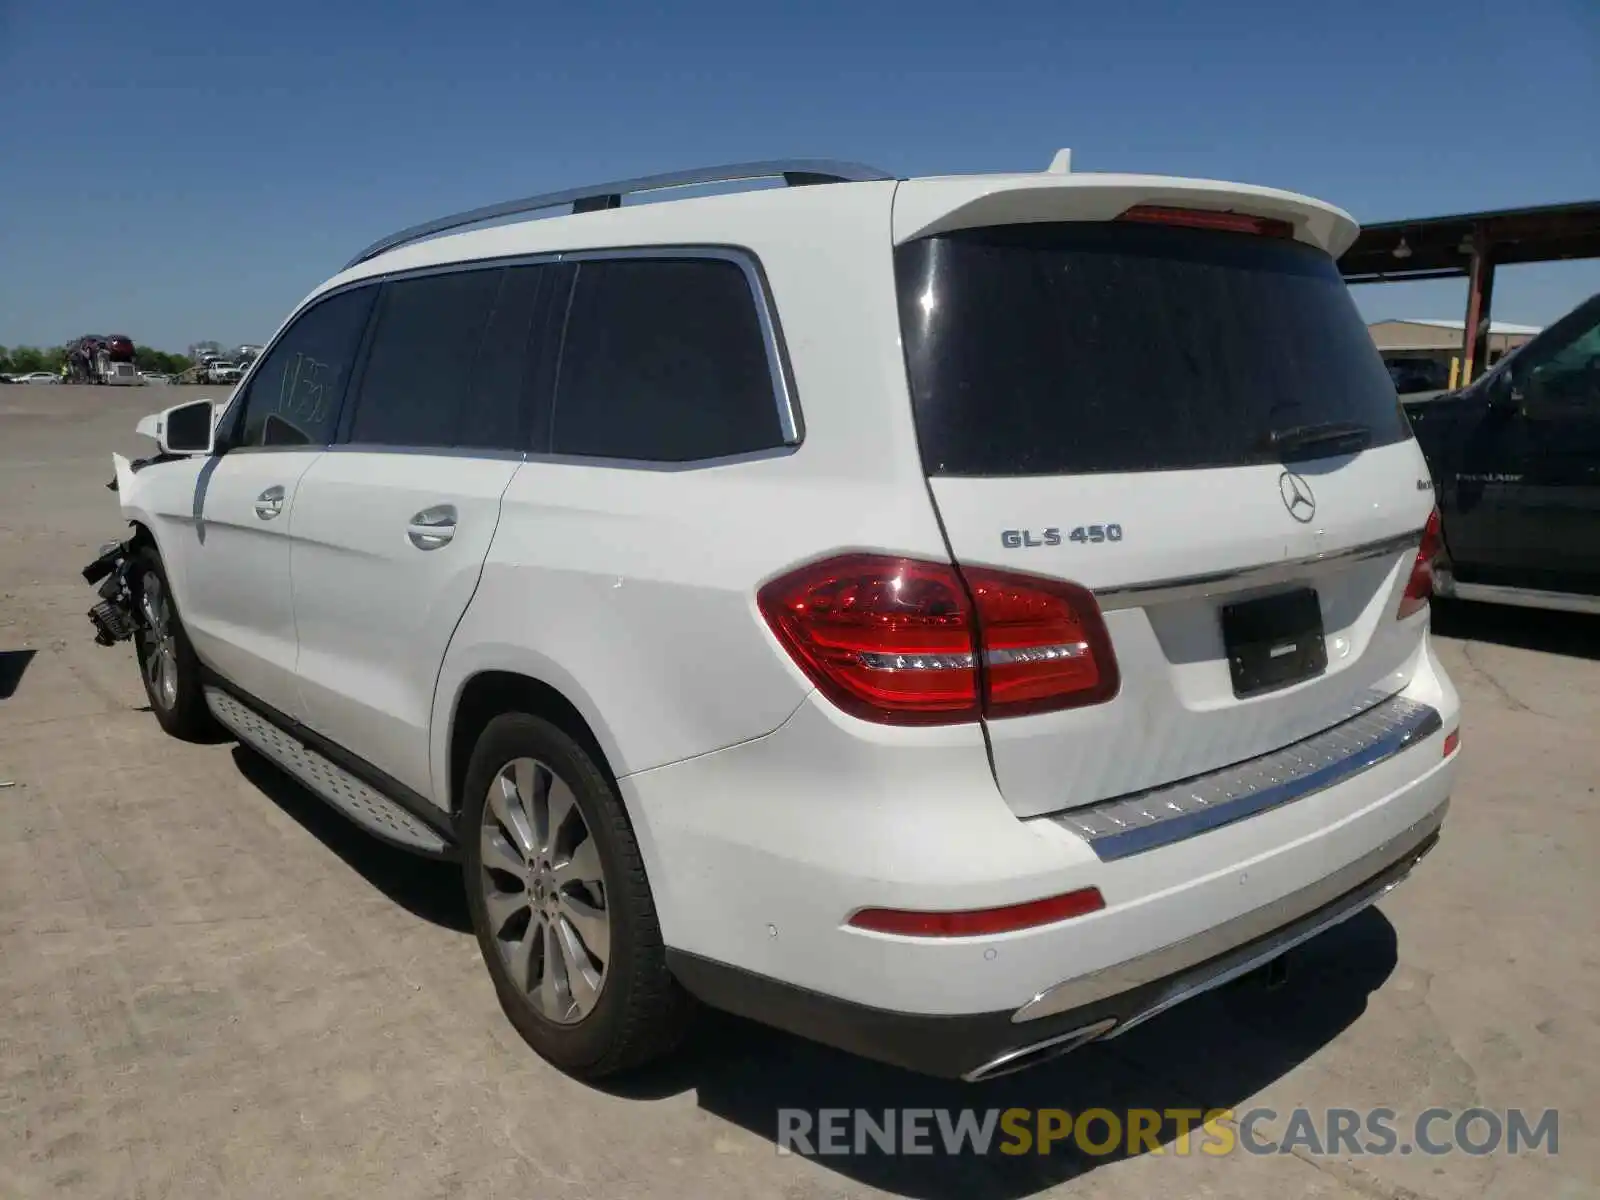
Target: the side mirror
pixel 1503 393
pixel 184 429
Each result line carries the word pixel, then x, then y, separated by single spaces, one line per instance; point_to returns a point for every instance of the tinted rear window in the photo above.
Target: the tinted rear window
pixel 419 372
pixel 664 361
pixel 1078 347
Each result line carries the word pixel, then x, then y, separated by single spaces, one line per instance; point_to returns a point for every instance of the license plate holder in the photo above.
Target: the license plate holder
pixel 1274 641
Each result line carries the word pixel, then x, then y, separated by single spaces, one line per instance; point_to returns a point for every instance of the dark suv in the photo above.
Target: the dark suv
pixel 1515 460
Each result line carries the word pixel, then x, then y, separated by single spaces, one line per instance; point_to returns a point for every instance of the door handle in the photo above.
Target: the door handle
pixel 432 527
pixel 270 503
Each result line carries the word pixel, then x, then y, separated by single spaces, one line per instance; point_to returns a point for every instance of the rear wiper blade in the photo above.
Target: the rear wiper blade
pixel 1328 437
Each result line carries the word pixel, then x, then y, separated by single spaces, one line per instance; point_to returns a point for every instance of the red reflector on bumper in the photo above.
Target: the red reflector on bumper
pixel 979 922
pixel 1452 742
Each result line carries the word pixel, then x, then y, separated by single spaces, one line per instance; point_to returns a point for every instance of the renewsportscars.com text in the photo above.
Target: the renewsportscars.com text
pixel 1100 1132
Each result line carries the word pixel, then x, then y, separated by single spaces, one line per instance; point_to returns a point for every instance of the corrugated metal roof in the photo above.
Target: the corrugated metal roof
pixel 1439 247
pixel 1505 327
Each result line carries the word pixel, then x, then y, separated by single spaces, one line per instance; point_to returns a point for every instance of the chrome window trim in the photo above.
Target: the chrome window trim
pixel 790 422
pixel 1188 587
pixel 541 259
pixel 791 425
pixel 1126 825
pixel 485 453
pixel 650 464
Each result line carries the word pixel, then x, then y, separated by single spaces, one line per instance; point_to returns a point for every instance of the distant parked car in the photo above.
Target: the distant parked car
pixel 222 372
pixel 156 377
pixel 36 377
pixel 1418 374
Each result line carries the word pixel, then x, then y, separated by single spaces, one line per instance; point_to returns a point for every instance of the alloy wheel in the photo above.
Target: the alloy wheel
pixel 544 891
pixel 160 644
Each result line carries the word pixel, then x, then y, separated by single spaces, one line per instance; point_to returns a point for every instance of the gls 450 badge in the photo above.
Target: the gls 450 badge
pixel 1027 539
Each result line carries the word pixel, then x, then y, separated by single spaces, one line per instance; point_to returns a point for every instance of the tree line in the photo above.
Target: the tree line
pixel 23 360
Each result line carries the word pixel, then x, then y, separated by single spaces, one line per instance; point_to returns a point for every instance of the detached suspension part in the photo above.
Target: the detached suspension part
pixel 114 618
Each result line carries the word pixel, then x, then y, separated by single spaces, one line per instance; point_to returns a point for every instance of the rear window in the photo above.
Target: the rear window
pixel 1078 347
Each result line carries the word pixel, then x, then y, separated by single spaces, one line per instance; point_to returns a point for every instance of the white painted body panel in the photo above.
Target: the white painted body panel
pixel 375 612
pixel 229 568
pixel 924 207
pixel 829 814
pixel 630 588
pixel 1176 714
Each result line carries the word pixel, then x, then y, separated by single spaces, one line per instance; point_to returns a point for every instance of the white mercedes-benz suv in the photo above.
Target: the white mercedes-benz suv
pixel 952 619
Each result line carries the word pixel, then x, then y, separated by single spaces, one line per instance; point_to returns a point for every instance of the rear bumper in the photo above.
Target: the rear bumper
pixel 1077 1011
pixel 758 855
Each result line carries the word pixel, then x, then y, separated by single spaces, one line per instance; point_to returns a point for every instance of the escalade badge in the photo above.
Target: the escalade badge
pixel 1297 497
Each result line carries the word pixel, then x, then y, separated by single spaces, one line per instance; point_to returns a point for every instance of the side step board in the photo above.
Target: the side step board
pixel 1446 585
pixel 364 805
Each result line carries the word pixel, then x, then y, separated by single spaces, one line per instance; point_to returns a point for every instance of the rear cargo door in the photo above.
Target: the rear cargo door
pixel 1193 423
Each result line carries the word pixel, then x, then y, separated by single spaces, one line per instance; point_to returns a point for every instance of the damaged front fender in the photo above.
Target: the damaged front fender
pixel 115 618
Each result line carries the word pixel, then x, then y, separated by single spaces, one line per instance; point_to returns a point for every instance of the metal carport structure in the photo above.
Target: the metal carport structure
pixel 1471 246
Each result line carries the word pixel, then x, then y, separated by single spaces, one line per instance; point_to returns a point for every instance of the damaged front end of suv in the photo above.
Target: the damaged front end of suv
pixel 116 617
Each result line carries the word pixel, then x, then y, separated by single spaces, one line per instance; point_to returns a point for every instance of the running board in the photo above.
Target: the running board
pixel 363 804
pixel 1490 593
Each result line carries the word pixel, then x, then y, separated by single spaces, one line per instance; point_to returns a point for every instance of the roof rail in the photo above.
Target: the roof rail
pixel 796 172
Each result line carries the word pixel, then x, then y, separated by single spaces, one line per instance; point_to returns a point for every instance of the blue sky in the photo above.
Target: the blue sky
pixel 181 170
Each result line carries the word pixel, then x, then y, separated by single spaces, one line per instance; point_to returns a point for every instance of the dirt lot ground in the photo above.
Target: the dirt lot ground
pixel 211 986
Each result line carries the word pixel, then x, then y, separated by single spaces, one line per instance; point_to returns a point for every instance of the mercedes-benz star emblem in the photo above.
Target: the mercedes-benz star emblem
pixel 1297 497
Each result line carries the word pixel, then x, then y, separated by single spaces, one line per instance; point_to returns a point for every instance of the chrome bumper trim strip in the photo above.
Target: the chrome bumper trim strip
pixel 1188 587
pixel 1125 825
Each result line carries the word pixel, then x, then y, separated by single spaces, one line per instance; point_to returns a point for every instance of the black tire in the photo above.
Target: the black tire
pixel 641 1013
pixel 181 710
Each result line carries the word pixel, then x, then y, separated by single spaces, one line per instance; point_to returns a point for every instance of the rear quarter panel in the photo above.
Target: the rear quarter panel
pixel 630 588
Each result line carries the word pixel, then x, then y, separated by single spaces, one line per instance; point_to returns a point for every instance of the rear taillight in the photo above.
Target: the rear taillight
pixel 1420 586
pixel 906 642
pixel 1200 218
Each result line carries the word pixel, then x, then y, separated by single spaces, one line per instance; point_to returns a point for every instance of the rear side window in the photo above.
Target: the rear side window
pixel 511 377
pixel 296 391
pixel 1079 347
pixel 664 360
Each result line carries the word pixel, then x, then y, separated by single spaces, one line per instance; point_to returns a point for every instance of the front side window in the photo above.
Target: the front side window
pixel 664 360
pixel 295 393
pixel 1568 370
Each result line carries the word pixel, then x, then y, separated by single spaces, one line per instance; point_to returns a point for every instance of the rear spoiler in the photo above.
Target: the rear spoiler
pixel 924 207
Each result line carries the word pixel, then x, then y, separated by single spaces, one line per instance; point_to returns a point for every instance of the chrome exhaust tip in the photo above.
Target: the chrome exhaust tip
pixel 1035 1053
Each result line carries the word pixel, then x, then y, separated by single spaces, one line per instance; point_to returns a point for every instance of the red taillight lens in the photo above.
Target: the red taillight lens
pixel 906 642
pixel 982 921
pixel 1044 644
pixel 1420 586
pixel 1199 218
pixel 888 639
pixel 1452 743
